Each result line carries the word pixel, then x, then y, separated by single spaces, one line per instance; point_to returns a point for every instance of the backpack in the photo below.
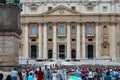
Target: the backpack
pixel 116 76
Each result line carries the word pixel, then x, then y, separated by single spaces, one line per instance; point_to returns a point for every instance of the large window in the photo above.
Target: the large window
pixel 104 8
pixel 49 8
pixel 33 9
pixel 90 29
pixel 61 30
pixel 73 31
pixel 73 7
pixel 90 8
pixel 34 30
pixel 50 30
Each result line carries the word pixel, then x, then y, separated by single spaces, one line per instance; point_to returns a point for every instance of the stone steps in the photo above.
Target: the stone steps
pixel 81 62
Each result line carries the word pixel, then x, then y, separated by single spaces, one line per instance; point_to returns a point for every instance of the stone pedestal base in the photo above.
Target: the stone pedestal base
pixel 9 46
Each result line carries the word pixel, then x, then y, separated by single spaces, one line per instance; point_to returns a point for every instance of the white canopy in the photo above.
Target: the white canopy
pixel 50 63
pixel 67 63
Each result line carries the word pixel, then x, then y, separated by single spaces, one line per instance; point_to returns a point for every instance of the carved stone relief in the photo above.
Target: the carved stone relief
pixel 105 48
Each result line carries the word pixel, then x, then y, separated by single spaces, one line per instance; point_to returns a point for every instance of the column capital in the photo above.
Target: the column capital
pixel 68 23
pixel 83 23
pixel 54 23
pixel 45 24
pixel 78 23
pixel 39 24
pixel 26 24
pixel 113 23
pixel 97 23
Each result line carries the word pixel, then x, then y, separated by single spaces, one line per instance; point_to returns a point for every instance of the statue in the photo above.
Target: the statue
pixel 13 2
pixel 2 2
pixel 17 1
pixel 20 6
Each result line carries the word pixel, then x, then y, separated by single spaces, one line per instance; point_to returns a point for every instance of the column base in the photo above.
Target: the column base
pixel 77 59
pixel 54 59
pixel 68 59
pixel 114 59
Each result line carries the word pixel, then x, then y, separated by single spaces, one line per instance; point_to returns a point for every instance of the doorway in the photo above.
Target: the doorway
pixel 49 54
pixel 90 51
pixel 33 51
pixel 62 51
pixel 73 54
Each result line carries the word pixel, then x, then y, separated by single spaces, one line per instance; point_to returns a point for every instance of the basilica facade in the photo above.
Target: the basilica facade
pixel 70 29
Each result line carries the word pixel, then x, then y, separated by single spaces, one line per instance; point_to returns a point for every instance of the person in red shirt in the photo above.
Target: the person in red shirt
pixel 84 73
pixel 40 74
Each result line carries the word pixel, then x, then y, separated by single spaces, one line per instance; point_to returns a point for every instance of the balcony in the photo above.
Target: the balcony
pixel 90 35
pixel 61 35
pixel 33 36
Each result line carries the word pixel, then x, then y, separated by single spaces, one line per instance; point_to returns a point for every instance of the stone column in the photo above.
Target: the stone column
pixel 97 40
pixel 68 41
pixel 83 40
pixel 25 49
pixel 78 41
pixel 40 41
pixel 112 47
pixel 54 42
pixel 45 56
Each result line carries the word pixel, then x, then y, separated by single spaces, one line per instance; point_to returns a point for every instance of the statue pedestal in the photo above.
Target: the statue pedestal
pixel 9 35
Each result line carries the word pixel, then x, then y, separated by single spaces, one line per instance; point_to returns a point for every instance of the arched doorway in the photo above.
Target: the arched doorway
pixel 49 54
pixel 33 51
pixel 73 54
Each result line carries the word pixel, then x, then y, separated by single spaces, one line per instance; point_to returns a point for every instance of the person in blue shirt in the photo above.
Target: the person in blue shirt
pixel 30 77
pixel 48 74
pixel 107 76
pixel 77 73
pixel 63 75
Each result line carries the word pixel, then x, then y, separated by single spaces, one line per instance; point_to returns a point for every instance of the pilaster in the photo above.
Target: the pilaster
pixel 68 41
pixel 45 56
pixel 40 41
pixel 83 40
pixel 54 41
pixel 97 40
pixel 25 49
pixel 78 41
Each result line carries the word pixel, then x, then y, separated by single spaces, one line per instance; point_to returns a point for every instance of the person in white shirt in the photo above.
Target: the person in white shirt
pixel 54 75
pixel 14 74
pixel 90 75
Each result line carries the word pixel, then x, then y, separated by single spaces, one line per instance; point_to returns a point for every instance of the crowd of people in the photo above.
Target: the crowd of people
pixel 82 72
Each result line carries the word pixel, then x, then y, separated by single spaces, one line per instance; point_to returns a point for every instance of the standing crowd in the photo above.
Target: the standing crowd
pixel 83 72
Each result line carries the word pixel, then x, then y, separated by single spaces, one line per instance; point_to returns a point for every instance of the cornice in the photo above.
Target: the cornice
pixel 94 14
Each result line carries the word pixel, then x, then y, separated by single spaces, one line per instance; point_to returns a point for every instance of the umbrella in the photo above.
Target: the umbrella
pixel 74 78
